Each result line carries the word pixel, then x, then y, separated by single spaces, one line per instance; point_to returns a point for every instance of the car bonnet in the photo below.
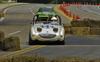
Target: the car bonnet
pixel 46 28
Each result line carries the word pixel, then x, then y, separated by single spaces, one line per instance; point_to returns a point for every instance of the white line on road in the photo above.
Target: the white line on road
pixel 23 51
pixel 4 12
pixel 31 11
pixel 1 19
pixel 10 34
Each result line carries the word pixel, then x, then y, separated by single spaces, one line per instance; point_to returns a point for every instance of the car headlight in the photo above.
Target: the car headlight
pixel 39 29
pixel 62 32
pixel 33 33
pixel 55 29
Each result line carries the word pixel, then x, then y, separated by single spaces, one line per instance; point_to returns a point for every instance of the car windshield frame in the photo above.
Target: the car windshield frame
pixel 46 20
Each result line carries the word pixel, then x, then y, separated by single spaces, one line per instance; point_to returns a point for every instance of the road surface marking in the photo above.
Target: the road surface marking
pixel 59 11
pixel 1 19
pixel 31 11
pixel 4 12
pixel 23 51
pixel 10 34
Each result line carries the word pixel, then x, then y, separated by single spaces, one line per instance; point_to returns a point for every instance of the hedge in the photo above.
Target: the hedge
pixel 11 44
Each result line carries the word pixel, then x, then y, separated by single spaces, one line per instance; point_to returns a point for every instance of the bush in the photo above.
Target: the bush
pixel 0 1
pixel 11 44
pixel 95 31
pixel 67 29
pixel 1 14
pixel 94 23
pixel 2 36
pixel 86 23
pixel 24 58
pixel 35 58
pixel 69 59
pixel 80 30
pixel 79 24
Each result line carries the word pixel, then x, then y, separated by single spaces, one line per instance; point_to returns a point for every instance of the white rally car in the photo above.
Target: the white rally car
pixel 46 30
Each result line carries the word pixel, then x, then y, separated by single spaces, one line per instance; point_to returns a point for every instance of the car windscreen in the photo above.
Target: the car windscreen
pixel 45 10
pixel 46 19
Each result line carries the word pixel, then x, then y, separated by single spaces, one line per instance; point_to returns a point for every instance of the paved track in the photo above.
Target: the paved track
pixel 93 9
pixel 18 18
pixel 52 52
pixel 86 11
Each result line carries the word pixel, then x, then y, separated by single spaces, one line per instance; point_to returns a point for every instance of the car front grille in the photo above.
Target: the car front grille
pixel 47 35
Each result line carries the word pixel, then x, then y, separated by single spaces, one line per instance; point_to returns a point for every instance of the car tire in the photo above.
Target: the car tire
pixel 61 42
pixel 31 42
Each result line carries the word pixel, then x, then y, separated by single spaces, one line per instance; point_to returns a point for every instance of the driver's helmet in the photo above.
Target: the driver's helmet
pixel 54 18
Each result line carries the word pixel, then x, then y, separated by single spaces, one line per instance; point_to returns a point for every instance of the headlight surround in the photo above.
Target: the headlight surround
pixel 39 29
pixel 62 32
pixel 33 32
pixel 55 29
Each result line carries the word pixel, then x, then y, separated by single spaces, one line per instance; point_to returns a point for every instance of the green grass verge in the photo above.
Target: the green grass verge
pixel 24 58
pixel 35 58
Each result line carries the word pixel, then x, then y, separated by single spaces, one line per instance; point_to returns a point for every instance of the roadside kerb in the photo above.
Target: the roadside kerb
pixel 23 51
pixel 61 12
pixel 67 12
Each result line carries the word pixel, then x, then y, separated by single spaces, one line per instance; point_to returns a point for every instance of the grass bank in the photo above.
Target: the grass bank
pixel 35 58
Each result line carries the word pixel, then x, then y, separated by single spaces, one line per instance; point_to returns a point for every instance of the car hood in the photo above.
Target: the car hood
pixel 46 28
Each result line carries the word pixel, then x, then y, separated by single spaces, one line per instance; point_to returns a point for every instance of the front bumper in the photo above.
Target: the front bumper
pixel 39 38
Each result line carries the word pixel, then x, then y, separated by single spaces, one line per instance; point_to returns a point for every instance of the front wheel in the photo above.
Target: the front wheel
pixel 31 42
pixel 61 42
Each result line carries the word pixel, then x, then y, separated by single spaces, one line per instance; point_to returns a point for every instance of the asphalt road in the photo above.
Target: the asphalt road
pixel 51 52
pixel 86 11
pixel 18 19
